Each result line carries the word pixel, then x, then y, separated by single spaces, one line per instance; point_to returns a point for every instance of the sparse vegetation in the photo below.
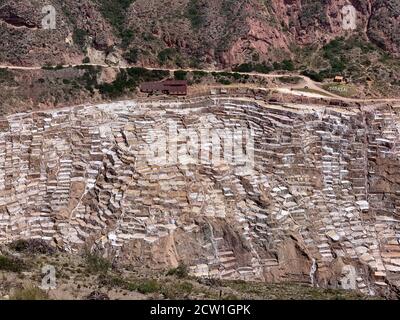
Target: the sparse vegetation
pixel 144 286
pixel 29 293
pixel 181 271
pixel 115 11
pixel 356 59
pixel 92 273
pixel 89 78
pixel 179 290
pixel 227 78
pixel 11 264
pixel 168 54
pixel 313 12
pixel 96 263
pixel 198 76
pixel 287 65
pixel 290 80
pixel 180 75
pixel 32 246
pixel 79 37
pixel 313 75
pixel 4 74
pixel 257 67
pixel 169 289
pixel 290 291
pixel 130 79
pixel 194 14
pixel 131 56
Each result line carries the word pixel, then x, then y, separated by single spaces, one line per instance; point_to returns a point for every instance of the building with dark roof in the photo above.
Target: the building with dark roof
pixel 170 87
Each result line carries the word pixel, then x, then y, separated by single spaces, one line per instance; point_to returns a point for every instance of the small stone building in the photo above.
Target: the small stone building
pixel 170 87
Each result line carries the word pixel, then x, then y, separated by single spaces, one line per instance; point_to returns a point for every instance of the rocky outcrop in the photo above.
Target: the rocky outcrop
pixel 79 24
pixel 223 32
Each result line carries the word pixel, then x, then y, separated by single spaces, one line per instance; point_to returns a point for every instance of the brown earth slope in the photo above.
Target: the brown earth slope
pixel 222 32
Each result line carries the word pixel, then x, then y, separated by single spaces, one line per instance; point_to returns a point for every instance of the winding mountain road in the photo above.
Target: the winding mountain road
pixel 309 83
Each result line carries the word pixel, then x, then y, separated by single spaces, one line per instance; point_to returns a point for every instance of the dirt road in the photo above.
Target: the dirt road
pixel 307 82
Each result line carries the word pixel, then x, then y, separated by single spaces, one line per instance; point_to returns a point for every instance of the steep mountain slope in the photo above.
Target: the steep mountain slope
pixel 321 204
pixel 182 32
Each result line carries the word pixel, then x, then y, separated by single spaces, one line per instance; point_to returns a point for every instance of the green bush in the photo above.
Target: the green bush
pixel 185 286
pixel 147 286
pixel 250 67
pixel 132 55
pixel 198 76
pixel 287 65
pixel 284 65
pixel 32 246
pixel 129 79
pixel 29 293
pixel 126 36
pixel 115 11
pixel 180 75
pixel 96 264
pixel 181 271
pixel 11 264
pixel 335 52
pixel 313 75
pixel 79 36
pixel 291 80
pixel 244 67
pixel 5 75
pixel 224 81
pixel 89 78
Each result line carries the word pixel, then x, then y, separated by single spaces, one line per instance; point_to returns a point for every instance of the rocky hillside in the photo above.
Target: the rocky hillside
pixel 247 35
pixel 187 32
pixel 91 277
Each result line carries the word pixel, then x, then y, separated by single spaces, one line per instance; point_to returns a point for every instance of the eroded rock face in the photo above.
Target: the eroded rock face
pixel 223 32
pixel 25 42
pixel 318 204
